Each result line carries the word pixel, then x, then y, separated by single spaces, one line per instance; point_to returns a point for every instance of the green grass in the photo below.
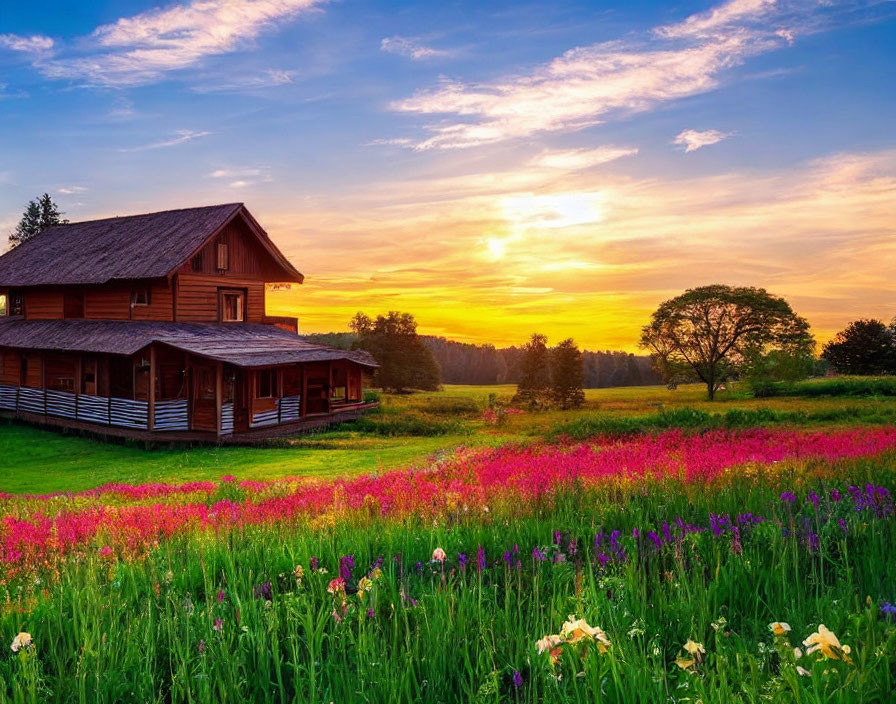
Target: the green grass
pixel 408 430
pixel 108 630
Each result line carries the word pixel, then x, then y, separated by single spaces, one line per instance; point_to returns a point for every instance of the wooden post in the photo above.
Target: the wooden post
pixel 79 373
pixel 303 402
pixel 43 378
pixel 329 384
pixel 151 407
pixel 219 394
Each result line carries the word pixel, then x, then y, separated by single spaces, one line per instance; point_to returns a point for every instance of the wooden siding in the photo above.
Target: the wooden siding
pixel 113 302
pixel 44 304
pixel 161 306
pixel 246 257
pixel 10 367
pixel 197 297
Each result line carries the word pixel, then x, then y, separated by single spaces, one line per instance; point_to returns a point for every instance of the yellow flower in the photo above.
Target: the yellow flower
pixel 685 663
pixel 364 585
pixel 826 642
pixel 779 628
pixel 23 640
pixel 695 649
pixel 575 630
pixel 547 643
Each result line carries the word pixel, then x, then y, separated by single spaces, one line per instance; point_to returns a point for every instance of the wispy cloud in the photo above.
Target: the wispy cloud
pixel 179 137
pixel 390 142
pixel 410 47
pixel 71 190
pixel 243 176
pixel 143 48
pixel 692 140
pixel 35 44
pixel 269 78
pixel 587 85
pixel 581 158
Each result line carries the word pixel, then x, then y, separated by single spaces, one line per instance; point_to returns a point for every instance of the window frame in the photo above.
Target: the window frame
pixel 222 257
pixel 271 375
pixel 135 296
pixel 223 294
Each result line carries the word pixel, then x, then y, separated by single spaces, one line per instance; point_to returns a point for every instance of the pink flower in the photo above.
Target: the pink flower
pixel 438 555
pixel 219 624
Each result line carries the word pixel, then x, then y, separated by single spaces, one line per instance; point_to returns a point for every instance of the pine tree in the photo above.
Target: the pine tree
pixel 405 361
pixel 39 214
pixel 534 382
pixel 567 375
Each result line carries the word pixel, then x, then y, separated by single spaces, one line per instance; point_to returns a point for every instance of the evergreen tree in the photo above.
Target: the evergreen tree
pixel 567 375
pixel 864 347
pixel 405 362
pixel 39 214
pixel 534 382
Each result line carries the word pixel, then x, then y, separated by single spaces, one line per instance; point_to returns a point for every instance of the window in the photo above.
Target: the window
pixel 196 263
pixel 232 306
pixel 140 296
pixel 223 263
pixel 267 382
pixel 16 303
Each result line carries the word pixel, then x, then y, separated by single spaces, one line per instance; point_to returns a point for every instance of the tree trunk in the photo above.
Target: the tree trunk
pixel 711 390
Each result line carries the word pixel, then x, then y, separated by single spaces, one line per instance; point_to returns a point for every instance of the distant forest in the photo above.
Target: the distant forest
pixel 464 363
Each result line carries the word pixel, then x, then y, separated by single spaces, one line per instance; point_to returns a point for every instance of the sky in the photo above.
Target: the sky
pixel 494 168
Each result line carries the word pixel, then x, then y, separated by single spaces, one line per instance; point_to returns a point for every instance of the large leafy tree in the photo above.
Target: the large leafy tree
pixel 39 214
pixel 715 332
pixel 864 347
pixel 405 362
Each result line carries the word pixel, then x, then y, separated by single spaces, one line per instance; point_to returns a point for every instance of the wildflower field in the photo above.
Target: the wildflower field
pixel 750 565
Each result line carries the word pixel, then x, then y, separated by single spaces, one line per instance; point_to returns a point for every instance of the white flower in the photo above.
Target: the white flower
pixel 23 640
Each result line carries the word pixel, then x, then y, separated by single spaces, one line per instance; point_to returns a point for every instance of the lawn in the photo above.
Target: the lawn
pixel 42 461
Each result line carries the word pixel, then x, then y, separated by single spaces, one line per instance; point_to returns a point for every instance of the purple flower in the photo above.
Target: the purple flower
pixel 370 613
pixel 346 565
pixel 480 558
pixel 842 523
pixel 835 495
pixel 654 538
pixel 462 560
pixel 888 611
pixel 572 547
pixel 508 558
pixel 221 595
pixel 517 679
pixel 558 537
pixel 314 564
pixel 201 647
pixel 788 496
pixel 538 554
pixel 813 498
pixel 263 591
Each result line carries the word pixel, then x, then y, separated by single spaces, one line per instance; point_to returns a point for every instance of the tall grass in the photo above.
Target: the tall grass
pixel 225 616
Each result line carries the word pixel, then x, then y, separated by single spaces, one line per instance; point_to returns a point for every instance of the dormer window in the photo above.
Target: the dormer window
pixel 140 296
pixel 222 257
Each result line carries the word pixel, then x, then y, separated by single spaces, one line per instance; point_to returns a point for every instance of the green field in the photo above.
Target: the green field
pixel 42 461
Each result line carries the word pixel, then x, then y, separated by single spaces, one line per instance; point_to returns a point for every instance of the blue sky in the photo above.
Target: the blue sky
pixel 493 167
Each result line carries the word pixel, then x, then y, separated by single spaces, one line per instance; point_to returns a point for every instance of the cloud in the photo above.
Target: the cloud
pixel 71 190
pixel 409 47
pixel 693 140
pixel 391 142
pixel 180 137
pixel 590 84
pixel 269 78
pixel 35 44
pixel 243 175
pixel 581 158
pixel 143 48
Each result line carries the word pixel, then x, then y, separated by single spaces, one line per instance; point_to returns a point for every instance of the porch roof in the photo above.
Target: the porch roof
pixel 244 345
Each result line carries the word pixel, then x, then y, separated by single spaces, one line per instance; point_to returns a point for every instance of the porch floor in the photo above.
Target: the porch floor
pixel 248 437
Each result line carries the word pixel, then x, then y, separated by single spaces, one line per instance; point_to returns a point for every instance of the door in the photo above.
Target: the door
pixel 204 408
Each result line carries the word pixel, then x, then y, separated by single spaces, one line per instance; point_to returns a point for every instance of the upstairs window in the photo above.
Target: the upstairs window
pixel 140 296
pixel 232 306
pixel 196 263
pixel 223 262
pixel 16 303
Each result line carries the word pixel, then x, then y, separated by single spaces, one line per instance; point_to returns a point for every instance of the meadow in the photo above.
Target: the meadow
pixel 650 547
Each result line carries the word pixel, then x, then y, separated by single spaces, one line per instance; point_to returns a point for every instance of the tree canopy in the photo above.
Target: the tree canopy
pixel 405 362
pixel 550 376
pixel 716 332
pixel 39 214
pixel 567 375
pixel 863 347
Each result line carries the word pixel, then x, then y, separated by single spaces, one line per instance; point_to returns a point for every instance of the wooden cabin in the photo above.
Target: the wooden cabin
pixel 154 326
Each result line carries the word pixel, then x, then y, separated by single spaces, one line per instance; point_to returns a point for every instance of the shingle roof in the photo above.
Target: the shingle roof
pixel 247 345
pixel 146 246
